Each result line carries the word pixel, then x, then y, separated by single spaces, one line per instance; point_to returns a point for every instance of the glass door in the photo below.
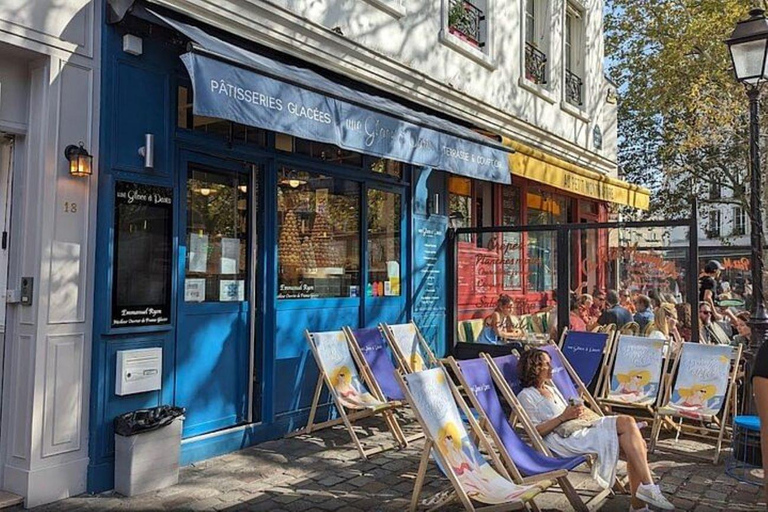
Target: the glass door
pixel 384 284
pixel 216 327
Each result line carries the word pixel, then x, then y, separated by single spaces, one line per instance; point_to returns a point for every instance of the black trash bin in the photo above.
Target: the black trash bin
pixel 147 443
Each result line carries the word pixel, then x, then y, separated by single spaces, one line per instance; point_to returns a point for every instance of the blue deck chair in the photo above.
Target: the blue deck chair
pixel 525 464
pixel 586 352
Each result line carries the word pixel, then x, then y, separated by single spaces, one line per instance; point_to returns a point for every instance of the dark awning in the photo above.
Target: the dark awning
pixel 232 83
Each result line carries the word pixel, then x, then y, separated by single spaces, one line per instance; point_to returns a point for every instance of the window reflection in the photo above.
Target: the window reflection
pixel 384 221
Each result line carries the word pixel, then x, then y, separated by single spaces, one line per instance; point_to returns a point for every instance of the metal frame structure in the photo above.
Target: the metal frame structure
pixel 563 246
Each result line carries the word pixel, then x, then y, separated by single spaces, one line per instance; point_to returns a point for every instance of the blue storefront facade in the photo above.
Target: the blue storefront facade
pixel 234 214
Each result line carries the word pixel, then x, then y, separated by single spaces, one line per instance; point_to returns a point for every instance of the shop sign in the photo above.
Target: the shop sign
pixel 142 240
pixel 742 264
pixel 225 91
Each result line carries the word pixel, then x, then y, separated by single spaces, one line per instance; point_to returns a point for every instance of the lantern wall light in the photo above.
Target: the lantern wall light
pixel 79 160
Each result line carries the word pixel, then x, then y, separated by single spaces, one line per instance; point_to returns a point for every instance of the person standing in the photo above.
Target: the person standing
pixel 615 314
pixel 708 282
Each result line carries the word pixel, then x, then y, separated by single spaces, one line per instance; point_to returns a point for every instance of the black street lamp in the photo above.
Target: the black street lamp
pixel 748 45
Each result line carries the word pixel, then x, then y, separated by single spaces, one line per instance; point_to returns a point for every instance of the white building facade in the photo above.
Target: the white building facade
pixel 49 89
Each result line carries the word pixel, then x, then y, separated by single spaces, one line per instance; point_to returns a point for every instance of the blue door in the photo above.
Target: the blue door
pixel 217 255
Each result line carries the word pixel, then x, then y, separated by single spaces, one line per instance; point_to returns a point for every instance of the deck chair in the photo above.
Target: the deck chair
pixel 504 372
pixel 371 351
pixel 472 329
pixel 434 400
pixel 338 372
pixel 525 464
pixel 409 347
pixel 634 381
pixel 586 352
pixel 700 393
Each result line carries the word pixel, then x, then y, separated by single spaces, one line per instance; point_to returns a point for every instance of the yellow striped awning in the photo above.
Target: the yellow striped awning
pixel 541 167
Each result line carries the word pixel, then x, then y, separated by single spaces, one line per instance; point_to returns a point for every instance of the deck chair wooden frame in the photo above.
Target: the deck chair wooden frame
pixel 402 361
pixel 597 501
pixel 630 328
pixel 348 418
pixel 608 403
pixel 475 433
pixel 373 384
pixel 560 476
pixel 729 408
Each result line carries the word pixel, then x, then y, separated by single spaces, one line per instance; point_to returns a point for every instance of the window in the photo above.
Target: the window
pixel 715 191
pixel 470 204
pixel 739 221
pixel 536 41
pixel 384 243
pixel 217 236
pixel 543 209
pixel 713 227
pixel 318 245
pixel 143 244
pixel 467 21
pixel 574 66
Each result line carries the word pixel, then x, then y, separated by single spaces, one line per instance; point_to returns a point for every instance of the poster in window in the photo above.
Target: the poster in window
pixel 143 257
pixel 198 252
pixel 230 255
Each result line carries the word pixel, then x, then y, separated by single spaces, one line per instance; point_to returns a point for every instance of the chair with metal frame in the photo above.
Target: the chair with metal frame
pixel 409 347
pixel 338 371
pixel 700 392
pixel 434 398
pixel 525 464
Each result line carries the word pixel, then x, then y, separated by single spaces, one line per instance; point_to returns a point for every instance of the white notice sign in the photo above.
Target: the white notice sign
pixel 194 290
pixel 198 252
pixel 231 290
pixel 230 255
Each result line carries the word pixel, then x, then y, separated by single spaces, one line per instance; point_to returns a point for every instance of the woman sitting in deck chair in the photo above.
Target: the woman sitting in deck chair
pixel 567 432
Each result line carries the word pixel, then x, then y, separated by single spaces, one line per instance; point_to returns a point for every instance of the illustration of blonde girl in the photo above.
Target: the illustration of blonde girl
pixel 697 396
pixel 634 382
pixel 341 379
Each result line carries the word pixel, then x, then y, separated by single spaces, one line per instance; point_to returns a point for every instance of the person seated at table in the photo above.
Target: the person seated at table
pixel 615 314
pixel 712 331
pixel 664 326
pixel 644 312
pixel 498 326
pixel 605 436
pixel 598 305
pixel 625 300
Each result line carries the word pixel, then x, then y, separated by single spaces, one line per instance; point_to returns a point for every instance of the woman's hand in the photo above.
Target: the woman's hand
pixel 571 412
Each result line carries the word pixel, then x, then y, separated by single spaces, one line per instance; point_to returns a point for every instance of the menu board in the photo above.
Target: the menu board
pixel 429 278
pixel 142 258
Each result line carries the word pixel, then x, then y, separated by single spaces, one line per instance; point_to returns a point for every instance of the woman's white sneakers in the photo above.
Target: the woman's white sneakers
pixel 651 494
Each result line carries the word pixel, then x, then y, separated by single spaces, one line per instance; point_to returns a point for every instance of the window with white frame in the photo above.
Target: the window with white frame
pixel 536 40
pixel 713 226
pixel 739 221
pixel 468 21
pixel 574 55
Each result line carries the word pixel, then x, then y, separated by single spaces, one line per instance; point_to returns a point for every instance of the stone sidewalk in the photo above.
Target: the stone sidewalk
pixel 323 472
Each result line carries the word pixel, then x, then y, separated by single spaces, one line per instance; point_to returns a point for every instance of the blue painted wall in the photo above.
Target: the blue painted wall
pixel 139 96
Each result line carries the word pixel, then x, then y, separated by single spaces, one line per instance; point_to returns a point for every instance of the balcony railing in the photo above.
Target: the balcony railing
pixel 535 64
pixel 573 88
pixel 466 20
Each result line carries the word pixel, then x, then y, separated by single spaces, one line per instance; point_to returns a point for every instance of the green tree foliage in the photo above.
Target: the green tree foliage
pixel 683 118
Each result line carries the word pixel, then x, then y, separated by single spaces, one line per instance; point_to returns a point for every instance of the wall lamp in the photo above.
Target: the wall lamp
pixel 79 160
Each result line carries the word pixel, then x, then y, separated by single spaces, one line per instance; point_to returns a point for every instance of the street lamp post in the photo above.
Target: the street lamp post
pixel 748 46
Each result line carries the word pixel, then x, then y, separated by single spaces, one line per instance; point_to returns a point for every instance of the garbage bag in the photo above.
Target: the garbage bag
pixel 146 420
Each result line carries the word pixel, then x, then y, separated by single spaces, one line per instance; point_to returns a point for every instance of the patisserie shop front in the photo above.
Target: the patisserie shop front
pixel 245 197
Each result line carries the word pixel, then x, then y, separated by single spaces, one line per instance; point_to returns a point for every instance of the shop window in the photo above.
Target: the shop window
pixel 384 242
pixel 318 246
pixel 389 167
pixel 543 209
pixel 470 204
pixel 327 152
pixel 217 236
pixel 143 257
pixel 220 128
pixel 512 251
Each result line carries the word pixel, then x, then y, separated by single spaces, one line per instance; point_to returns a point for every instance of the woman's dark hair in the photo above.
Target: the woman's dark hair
pixel 529 366
pixel 504 300
pixel 573 302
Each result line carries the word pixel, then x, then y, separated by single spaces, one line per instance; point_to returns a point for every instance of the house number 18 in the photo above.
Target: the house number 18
pixel 70 207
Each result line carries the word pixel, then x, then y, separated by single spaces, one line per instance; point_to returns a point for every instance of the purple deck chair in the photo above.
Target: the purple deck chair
pixel 376 353
pixel 584 350
pixel 560 376
pixel 528 461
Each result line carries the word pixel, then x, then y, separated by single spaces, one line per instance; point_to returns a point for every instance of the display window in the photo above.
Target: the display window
pixel 143 257
pixel 512 249
pixel 318 246
pixel 217 236
pixel 384 243
pixel 543 208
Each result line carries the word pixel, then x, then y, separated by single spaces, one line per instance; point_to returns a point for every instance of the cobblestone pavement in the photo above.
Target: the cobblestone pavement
pixel 322 472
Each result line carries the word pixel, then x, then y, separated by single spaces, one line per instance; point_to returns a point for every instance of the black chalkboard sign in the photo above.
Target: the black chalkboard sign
pixel 142 256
